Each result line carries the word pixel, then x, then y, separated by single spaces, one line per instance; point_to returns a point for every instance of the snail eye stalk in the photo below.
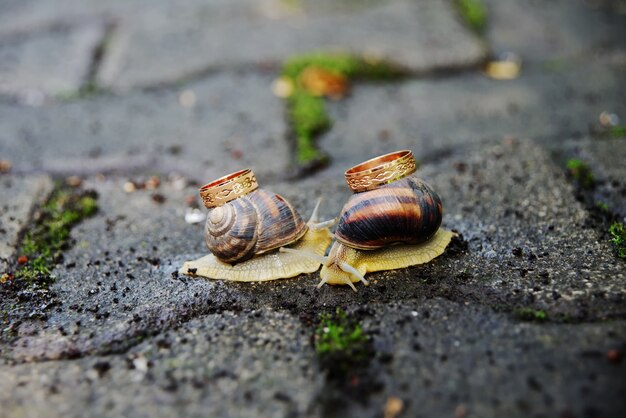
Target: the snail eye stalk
pixel 349 269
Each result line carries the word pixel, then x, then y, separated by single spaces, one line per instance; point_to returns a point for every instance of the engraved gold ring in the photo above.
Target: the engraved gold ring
pixel 228 188
pixel 381 170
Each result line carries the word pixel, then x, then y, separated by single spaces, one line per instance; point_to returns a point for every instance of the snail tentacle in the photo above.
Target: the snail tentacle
pixel 349 283
pixel 316 226
pixel 314 223
pixel 322 283
pixel 349 269
pixel 315 214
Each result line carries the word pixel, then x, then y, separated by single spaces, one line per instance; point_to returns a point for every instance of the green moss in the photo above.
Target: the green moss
pixel 350 66
pixel 88 90
pixel 581 172
pixel 474 13
pixel 309 118
pixel 602 206
pixel 340 343
pixel 49 234
pixel 617 131
pixel 618 234
pixel 307 113
pixel 528 314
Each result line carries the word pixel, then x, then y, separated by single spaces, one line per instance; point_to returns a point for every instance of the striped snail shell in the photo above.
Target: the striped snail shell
pixel 404 211
pixel 252 224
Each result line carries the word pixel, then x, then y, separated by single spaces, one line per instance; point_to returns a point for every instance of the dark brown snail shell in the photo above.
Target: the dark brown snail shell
pixel 252 224
pixel 404 211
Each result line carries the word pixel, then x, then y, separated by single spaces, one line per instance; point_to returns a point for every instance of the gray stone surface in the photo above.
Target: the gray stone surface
pixel 523 317
pixel 438 356
pixel 507 197
pixel 53 60
pixel 174 41
pixel 234 121
pixel 423 36
pixel 258 363
pixel 432 116
pixel 551 31
pixel 18 196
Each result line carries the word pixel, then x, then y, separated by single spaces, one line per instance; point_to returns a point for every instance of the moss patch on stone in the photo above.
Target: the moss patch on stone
pixel 24 291
pixel 474 13
pixel 49 233
pixel 618 239
pixel 528 314
pixel 341 344
pixel 580 171
pixel 306 110
pixel 617 131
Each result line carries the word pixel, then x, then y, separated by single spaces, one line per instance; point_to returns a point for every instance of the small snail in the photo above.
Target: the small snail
pixel 392 221
pixel 245 224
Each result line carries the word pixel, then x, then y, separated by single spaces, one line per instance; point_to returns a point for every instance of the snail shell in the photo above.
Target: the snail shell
pixel 252 224
pixel 405 211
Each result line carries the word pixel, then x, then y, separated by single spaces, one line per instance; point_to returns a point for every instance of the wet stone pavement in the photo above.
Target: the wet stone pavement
pixel 524 315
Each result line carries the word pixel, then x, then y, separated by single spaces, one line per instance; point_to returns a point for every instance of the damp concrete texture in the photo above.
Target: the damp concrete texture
pixel 524 315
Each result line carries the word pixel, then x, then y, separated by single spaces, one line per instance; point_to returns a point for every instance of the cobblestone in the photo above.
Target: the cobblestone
pixel 523 316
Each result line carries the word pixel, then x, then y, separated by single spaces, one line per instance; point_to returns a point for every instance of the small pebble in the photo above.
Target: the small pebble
pixel 608 119
pixel 158 198
pixel 393 407
pixel 506 67
pixel 614 356
pixel 22 259
pixel 5 166
pixel 194 216
pixel 129 187
pixel 460 411
pixel 282 87
pixel 153 183
pixel 187 99
pixel 73 181
pixel 141 363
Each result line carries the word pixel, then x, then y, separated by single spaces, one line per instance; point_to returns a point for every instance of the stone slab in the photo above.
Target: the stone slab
pixel 451 359
pixel 605 157
pixel 552 31
pixel 53 60
pixel 204 129
pixel 528 247
pixel 436 116
pixel 253 364
pixel 439 357
pixel 18 196
pixel 420 35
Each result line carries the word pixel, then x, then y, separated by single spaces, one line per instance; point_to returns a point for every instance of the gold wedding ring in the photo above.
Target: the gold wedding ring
pixel 381 170
pixel 228 188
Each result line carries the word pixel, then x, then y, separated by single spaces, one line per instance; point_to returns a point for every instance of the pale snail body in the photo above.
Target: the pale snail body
pixel 253 224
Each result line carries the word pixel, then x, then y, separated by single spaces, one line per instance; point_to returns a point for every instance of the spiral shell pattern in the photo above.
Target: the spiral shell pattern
pixel 405 211
pixel 252 224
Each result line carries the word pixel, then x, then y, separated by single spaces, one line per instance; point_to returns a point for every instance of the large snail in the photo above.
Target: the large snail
pixel 392 221
pixel 245 224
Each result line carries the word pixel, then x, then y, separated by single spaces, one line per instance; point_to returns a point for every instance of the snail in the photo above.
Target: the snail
pixel 392 221
pixel 245 224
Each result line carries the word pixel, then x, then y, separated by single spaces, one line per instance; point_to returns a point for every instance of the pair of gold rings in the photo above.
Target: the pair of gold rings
pixel 368 175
